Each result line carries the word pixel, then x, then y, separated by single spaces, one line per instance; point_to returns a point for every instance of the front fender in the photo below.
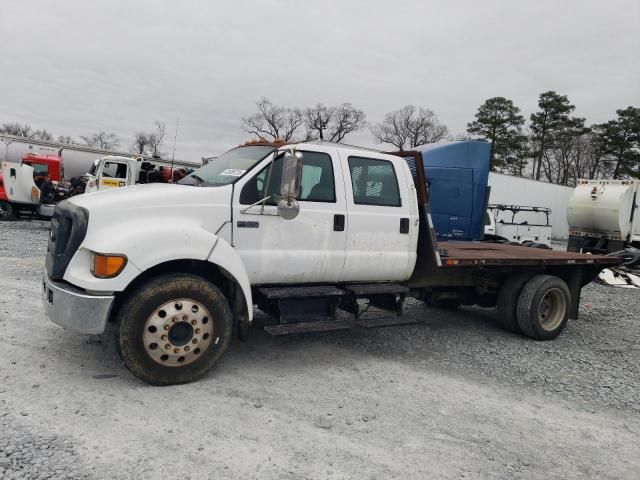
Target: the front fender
pixel 145 243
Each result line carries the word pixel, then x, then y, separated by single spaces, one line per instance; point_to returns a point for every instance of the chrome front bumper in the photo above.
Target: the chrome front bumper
pixel 73 308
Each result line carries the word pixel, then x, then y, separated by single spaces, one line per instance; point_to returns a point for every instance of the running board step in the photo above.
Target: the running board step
pixel 277 293
pixel 384 322
pixel 308 327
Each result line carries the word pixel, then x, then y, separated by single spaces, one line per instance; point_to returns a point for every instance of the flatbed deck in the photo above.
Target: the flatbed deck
pixel 483 253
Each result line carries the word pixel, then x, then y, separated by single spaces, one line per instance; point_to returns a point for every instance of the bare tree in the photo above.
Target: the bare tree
pixel 150 142
pixel 66 139
pixel 333 123
pixel 42 135
pixel 272 122
pixel 140 142
pixel 102 140
pixel 17 129
pixel 157 137
pixel 409 127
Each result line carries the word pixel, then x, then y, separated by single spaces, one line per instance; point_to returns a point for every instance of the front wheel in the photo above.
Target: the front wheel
pixel 543 307
pixel 173 329
pixel 7 211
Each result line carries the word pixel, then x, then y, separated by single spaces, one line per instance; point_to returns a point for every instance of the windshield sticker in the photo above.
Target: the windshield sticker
pixel 233 172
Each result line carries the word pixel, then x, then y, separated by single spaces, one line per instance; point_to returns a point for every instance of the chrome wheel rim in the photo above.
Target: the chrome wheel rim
pixel 178 333
pixel 551 310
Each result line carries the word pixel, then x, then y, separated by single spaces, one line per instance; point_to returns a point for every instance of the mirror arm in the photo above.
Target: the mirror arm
pixel 262 201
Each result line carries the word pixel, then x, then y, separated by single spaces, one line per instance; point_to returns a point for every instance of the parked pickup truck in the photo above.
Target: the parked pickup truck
pixel 299 231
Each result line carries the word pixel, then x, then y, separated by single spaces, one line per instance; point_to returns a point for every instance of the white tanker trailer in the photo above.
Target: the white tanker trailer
pixel 603 216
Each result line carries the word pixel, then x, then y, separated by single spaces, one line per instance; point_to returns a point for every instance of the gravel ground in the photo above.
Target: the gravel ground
pixel 452 397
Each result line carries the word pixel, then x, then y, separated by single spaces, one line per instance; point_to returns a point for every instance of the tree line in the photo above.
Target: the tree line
pixel 554 146
pixel 147 142
pixel 557 146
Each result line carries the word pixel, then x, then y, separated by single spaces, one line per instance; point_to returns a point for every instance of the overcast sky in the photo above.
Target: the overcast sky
pixel 76 66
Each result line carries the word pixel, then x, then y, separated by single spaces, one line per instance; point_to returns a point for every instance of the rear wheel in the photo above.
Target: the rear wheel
pixel 508 301
pixel 543 307
pixel 173 329
pixel 7 211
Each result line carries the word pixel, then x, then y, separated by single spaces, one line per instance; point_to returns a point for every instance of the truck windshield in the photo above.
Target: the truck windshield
pixel 228 167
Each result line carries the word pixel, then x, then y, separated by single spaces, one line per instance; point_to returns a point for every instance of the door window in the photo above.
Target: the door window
pixel 317 183
pixel 115 170
pixel 374 182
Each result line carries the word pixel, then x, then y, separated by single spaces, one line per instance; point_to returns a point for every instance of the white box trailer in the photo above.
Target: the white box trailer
pixel 603 216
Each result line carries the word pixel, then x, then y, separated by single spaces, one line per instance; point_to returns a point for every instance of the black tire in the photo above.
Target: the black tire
pixel 508 301
pixel 145 305
pixel 7 211
pixel 527 243
pixel 544 293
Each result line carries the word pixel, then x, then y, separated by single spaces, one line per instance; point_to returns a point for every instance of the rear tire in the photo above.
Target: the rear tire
pixel 7 211
pixel 543 307
pixel 508 301
pixel 173 329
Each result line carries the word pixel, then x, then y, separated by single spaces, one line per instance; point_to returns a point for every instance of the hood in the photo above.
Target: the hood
pixel 152 195
pixel 209 207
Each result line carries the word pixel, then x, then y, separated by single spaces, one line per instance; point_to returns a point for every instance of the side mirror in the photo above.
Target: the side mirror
pixel 288 207
pixel 291 174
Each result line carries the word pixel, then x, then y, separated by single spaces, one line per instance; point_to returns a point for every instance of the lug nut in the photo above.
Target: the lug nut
pixel 193 322
pixel 176 350
pixel 163 337
pixel 198 331
pixel 167 347
pixel 187 348
pixel 166 327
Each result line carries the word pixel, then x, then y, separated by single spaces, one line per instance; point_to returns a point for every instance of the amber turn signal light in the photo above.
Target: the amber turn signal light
pixel 107 266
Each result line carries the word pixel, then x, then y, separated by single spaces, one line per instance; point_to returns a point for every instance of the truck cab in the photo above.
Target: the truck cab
pixel 22 184
pixel 115 171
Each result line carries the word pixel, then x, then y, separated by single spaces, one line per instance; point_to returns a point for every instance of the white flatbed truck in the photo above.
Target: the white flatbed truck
pixel 299 231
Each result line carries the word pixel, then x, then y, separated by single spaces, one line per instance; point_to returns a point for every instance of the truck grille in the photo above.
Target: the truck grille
pixel 68 229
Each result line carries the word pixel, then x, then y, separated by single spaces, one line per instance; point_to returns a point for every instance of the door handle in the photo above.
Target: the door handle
pixel 338 223
pixel 404 225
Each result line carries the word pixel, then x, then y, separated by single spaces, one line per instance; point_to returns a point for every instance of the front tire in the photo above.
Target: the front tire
pixel 173 329
pixel 543 307
pixel 7 211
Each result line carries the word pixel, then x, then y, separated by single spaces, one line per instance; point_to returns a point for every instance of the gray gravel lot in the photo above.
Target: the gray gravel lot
pixel 452 397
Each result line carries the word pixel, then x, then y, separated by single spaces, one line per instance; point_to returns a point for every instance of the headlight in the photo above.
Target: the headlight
pixel 107 265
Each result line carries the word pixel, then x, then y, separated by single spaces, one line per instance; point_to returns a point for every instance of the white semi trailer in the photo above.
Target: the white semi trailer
pixel 603 216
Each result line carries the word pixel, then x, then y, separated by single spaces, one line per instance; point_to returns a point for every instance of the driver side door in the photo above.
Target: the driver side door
pixel 308 248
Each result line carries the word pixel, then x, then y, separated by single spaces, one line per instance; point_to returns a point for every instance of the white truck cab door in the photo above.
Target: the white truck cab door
pixel 382 226
pixel 308 248
pixel 19 184
pixel 114 174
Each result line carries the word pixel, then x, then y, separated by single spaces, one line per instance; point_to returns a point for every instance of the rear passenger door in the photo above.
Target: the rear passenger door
pixel 380 223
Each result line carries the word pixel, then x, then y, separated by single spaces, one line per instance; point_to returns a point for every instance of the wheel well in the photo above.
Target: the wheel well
pixel 207 270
